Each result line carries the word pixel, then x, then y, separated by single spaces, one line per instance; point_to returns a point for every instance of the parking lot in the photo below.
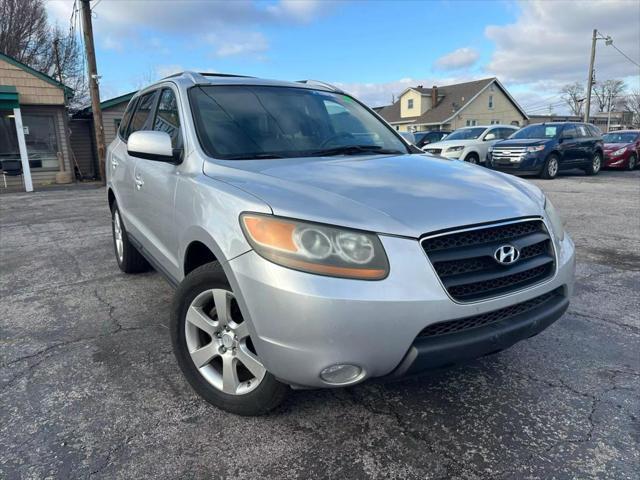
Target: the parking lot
pixel 90 386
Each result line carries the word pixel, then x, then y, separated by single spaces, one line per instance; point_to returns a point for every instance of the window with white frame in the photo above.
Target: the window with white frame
pixel 472 123
pixel 495 122
pixel 490 101
pixel 410 103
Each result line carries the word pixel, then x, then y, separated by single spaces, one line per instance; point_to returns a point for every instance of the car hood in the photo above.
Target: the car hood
pixel 615 146
pixel 521 142
pixel 406 195
pixel 450 143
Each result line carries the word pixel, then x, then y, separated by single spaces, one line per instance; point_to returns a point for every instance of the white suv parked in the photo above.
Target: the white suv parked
pixel 471 144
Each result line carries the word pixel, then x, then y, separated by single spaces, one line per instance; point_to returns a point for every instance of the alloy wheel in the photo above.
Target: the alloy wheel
pixel 553 167
pixel 219 344
pixel 597 163
pixel 117 234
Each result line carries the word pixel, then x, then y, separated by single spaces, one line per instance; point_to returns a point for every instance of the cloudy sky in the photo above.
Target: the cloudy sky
pixel 372 49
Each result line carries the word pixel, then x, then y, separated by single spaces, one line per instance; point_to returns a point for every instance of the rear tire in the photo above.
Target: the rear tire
pixel 632 163
pixel 128 258
pixel 595 166
pixel 551 167
pixel 230 376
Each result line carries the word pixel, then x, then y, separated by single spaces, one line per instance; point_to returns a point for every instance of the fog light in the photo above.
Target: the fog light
pixel 338 374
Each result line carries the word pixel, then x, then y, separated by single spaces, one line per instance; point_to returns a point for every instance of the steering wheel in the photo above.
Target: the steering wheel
pixel 337 136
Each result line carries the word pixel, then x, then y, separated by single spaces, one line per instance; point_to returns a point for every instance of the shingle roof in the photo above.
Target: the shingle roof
pixel 455 97
pixel 9 59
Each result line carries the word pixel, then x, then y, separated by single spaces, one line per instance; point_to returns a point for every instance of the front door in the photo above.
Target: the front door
pixel 155 189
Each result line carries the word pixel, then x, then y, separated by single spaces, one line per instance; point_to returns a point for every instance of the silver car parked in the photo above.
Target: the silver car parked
pixel 311 246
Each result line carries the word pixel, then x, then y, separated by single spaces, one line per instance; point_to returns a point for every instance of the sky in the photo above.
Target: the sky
pixel 372 49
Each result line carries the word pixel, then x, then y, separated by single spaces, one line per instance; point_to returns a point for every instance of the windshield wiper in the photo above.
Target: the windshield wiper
pixel 252 156
pixel 354 150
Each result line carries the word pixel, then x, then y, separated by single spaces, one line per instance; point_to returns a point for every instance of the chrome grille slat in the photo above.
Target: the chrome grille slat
pixel 466 267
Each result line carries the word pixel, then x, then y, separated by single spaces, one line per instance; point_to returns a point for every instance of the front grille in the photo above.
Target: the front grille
pixel 462 324
pixel 434 151
pixel 466 265
pixel 507 155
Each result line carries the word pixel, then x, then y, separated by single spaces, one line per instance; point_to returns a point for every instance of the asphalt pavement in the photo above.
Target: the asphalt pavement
pixel 89 386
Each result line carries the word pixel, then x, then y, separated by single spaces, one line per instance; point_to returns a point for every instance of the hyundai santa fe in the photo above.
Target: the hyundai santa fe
pixel 311 246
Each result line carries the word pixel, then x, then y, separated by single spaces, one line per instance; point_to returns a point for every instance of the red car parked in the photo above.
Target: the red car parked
pixel 622 149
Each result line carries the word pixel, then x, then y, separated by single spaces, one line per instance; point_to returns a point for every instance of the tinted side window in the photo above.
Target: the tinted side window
pixel 569 131
pixel 595 132
pixel 582 131
pixel 122 128
pixel 167 117
pixel 141 115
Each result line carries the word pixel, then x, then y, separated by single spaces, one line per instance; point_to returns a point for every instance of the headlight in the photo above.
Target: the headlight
pixel 554 219
pixel 537 148
pixel 455 149
pixel 620 151
pixel 314 248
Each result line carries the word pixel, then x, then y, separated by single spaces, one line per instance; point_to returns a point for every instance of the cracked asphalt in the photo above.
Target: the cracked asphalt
pixel 90 388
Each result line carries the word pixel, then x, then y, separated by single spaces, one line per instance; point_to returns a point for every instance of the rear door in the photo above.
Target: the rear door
pixel 587 143
pixel 569 147
pixel 156 185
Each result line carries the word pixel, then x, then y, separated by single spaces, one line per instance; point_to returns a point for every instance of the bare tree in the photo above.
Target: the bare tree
pixel 25 33
pixel 67 54
pixel 632 104
pixel 573 95
pixel 607 93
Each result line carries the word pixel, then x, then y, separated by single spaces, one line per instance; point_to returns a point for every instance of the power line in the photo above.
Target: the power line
pixel 610 43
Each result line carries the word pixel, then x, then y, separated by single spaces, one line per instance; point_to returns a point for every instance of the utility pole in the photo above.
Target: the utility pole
pixel 87 30
pixel 56 47
pixel 594 38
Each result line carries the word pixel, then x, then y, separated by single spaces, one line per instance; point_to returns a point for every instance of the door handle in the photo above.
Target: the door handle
pixel 139 183
pixel 114 163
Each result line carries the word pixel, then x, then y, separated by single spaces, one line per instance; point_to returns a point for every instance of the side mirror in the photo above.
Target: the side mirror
pixel 489 136
pixel 151 145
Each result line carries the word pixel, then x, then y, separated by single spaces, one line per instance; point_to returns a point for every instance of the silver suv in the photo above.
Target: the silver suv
pixel 311 246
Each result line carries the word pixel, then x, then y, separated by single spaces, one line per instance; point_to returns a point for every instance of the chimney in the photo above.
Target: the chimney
pixel 434 96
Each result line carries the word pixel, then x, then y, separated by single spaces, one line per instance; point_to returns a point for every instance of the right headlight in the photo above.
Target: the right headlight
pixel 316 248
pixel 554 219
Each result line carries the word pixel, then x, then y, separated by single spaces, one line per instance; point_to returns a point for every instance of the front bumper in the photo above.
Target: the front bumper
pixel 620 161
pixel 530 164
pixel 302 323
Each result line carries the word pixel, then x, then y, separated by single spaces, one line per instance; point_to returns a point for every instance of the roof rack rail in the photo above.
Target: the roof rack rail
pixel 322 84
pixel 200 76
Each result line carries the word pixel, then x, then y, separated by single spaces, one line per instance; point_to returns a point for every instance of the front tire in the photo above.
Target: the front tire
pixel 128 258
pixel 595 166
pixel 551 167
pixel 472 158
pixel 632 163
pixel 213 347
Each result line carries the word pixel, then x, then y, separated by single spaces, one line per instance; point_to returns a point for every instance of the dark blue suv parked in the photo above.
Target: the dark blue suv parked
pixel 546 148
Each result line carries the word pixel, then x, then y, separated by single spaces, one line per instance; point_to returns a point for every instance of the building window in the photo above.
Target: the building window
pixel 410 103
pixel 495 122
pixel 397 127
pixel 42 140
pixel 472 123
pixel 490 101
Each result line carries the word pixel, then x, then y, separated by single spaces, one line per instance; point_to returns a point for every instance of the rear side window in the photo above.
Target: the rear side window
pixel 595 131
pixel 142 112
pixel 167 117
pixel 122 128
pixel 583 131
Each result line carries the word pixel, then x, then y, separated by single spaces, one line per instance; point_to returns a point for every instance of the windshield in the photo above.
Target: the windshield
pixel 538 131
pixel 466 134
pixel 247 121
pixel 623 137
